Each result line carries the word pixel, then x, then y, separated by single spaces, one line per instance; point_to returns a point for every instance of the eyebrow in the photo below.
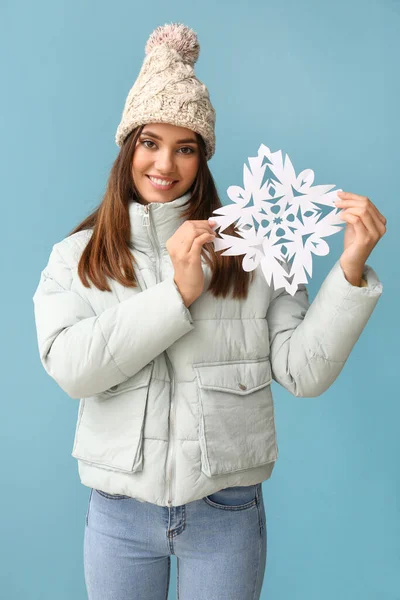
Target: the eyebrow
pixel 184 141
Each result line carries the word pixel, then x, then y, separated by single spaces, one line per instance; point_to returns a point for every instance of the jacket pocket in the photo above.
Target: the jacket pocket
pixel 109 431
pixel 236 415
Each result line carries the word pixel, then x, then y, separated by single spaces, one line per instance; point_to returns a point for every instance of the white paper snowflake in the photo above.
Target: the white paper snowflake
pixel 281 219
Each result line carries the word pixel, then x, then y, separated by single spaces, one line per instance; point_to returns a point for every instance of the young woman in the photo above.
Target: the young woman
pixel 171 349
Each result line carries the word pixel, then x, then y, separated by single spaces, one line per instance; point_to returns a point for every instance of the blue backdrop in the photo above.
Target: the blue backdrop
pixel 318 80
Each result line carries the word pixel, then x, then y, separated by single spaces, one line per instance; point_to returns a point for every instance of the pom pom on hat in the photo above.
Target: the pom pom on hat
pixel 177 36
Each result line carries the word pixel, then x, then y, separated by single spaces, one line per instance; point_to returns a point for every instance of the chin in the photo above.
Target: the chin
pixel 161 196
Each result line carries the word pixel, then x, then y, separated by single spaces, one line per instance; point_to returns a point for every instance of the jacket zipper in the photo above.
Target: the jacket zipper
pixel 146 221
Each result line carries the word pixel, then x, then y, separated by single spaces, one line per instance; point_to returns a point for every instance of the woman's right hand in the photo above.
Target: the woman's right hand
pixel 184 248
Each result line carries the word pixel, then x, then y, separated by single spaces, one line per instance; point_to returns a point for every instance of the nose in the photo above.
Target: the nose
pixel 165 163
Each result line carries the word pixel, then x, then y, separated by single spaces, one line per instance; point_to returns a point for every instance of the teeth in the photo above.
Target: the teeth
pixel 160 181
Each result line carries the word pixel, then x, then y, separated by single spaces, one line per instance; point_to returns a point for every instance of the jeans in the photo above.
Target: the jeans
pixel 219 542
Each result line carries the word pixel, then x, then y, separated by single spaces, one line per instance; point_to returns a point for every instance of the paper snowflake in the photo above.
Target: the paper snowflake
pixel 281 219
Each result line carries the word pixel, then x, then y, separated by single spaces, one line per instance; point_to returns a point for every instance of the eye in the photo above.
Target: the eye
pixel 147 141
pixel 187 148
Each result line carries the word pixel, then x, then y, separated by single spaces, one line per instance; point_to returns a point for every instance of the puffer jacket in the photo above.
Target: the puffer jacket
pixel 176 402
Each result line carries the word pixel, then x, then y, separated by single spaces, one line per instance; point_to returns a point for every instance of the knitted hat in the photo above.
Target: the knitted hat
pixel 166 90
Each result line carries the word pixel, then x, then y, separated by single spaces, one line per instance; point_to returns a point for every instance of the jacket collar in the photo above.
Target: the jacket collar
pixel 162 218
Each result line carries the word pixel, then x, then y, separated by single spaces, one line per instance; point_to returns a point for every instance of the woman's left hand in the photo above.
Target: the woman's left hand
pixel 365 226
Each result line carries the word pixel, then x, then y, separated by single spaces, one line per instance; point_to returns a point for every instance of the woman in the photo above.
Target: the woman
pixel 172 348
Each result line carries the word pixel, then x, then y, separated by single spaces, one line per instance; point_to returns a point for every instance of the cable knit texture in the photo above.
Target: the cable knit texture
pixel 167 90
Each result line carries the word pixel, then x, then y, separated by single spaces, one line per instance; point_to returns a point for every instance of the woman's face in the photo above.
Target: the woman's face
pixel 165 152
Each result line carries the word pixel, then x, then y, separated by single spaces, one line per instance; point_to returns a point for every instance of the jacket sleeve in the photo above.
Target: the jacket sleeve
pixel 309 344
pixel 87 353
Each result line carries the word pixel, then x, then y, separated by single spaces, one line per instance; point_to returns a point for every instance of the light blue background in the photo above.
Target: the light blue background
pixel 318 80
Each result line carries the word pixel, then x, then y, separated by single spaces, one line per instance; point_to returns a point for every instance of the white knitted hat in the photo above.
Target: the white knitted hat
pixel 166 90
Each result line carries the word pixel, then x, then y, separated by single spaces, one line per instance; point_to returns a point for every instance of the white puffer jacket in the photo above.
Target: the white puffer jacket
pixel 176 403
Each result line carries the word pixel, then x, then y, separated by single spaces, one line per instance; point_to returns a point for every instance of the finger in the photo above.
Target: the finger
pixel 189 233
pixel 374 210
pixel 202 224
pixel 350 196
pixel 359 229
pixel 347 199
pixel 198 242
pixel 370 223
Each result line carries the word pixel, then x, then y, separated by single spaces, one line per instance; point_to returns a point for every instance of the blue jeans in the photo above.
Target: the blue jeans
pixel 219 542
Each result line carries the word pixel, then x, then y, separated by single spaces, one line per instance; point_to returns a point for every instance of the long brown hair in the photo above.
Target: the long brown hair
pixel 108 253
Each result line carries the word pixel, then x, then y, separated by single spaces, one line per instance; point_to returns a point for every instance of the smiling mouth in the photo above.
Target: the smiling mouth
pixel 160 183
